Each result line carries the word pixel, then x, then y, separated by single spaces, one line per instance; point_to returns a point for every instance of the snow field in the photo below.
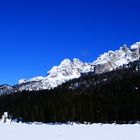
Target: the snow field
pixel 19 131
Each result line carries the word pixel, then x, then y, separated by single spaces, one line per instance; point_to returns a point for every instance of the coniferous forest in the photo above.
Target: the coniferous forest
pixel 103 98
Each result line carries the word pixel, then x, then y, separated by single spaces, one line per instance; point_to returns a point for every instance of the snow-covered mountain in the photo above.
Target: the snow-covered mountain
pixel 6 89
pixel 66 71
pixel 71 69
pixel 114 59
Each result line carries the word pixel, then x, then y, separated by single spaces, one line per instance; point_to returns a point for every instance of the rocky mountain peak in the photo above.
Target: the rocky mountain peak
pixel 5 89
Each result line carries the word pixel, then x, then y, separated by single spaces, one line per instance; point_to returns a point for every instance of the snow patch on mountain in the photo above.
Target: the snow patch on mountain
pixel 135 45
pixel 22 81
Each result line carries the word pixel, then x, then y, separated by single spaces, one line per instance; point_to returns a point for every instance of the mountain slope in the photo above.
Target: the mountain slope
pixel 66 71
pixel 71 69
pixel 102 98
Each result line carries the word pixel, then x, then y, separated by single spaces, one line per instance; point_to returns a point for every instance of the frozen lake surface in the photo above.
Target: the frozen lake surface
pixel 19 131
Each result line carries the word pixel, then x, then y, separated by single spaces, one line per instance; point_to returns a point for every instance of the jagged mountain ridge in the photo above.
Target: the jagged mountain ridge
pixel 6 89
pixel 71 69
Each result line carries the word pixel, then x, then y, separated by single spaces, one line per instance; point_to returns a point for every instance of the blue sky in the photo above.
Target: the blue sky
pixel 37 34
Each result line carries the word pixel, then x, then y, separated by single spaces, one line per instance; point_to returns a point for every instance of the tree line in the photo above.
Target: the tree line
pixel 103 98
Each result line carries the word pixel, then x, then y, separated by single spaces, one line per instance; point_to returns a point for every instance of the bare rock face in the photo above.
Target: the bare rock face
pixel 101 68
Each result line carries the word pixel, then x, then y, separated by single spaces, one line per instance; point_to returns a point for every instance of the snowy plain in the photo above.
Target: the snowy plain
pixel 21 131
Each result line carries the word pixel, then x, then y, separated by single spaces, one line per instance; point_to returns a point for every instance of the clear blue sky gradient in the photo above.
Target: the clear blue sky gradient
pixel 37 34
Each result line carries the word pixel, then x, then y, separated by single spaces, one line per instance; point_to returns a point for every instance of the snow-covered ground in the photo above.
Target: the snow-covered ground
pixel 19 131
